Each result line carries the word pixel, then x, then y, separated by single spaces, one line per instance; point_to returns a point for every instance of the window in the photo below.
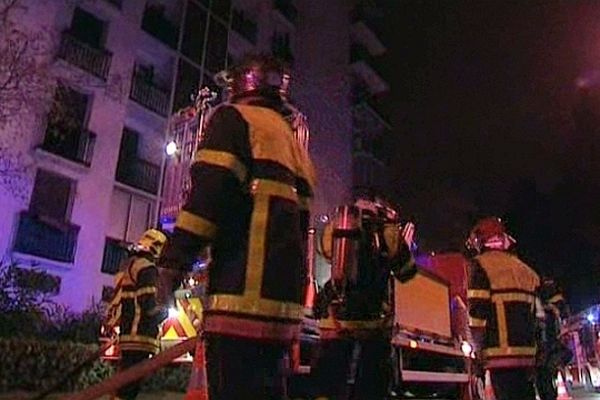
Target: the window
pixel 162 19
pixel 52 196
pixel 216 48
pixel 87 28
pixel 188 78
pixel 222 9
pixel 130 216
pixel 65 133
pixel 193 35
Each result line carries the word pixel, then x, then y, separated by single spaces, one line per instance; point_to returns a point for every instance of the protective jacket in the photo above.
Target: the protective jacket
pixel 251 187
pixel 134 309
pixel 362 309
pixel 502 309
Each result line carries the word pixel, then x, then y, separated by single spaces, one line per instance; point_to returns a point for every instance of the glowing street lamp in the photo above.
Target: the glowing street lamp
pixel 171 148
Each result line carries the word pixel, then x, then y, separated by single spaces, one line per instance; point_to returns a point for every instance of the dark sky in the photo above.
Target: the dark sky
pixel 482 102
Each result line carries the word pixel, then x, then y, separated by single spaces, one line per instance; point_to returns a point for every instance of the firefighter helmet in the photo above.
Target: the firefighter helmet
pixel 152 241
pixel 489 233
pixel 261 75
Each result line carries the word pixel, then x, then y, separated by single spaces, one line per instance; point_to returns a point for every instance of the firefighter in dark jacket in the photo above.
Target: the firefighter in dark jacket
pixel 134 310
pixel 252 182
pixel 364 244
pixel 503 312
pixel 552 353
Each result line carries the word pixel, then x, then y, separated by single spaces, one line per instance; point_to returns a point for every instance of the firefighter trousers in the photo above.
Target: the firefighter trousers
pixel 513 383
pixel 545 382
pixel 356 369
pixel 245 369
pixel 129 358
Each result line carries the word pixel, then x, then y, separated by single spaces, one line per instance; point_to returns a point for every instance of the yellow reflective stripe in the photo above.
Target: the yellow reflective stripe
pixel 556 298
pixel 506 297
pixel 502 328
pixel 478 294
pixel 225 160
pixel 196 224
pixel 274 188
pixel 137 266
pixel 136 318
pixel 255 306
pixel 504 351
pixel 146 290
pixel 477 322
pixel 256 253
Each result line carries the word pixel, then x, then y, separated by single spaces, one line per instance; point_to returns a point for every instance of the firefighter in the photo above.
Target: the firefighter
pixel 134 309
pixel 364 244
pixel 503 316
pixel 252 182
pixel 552 353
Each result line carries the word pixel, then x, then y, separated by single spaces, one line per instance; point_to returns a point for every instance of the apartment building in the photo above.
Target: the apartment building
pixel 94 160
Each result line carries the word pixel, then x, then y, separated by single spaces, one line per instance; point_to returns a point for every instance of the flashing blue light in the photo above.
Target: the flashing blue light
pixel 590 317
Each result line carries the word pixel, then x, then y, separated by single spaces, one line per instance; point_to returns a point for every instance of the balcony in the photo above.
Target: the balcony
pixel 366 25
pixel 156 24
pixel 244 26
pixel 44 238
pixel 115 253
pixel 77 147
pixel 287 10
pixel 149 95
pixel 365 66
pixel 90 59
pixel 139 174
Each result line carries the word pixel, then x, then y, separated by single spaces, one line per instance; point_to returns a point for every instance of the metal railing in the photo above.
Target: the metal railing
pixel 145 93
pixel 45 238
pixel 76 52
pixel 287 9
pixel 115 253
pixel 140 174
pixel 78 147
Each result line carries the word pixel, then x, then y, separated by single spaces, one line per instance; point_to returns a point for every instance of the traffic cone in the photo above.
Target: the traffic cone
pixel 489 390
pixel 198 386
pixel 561 388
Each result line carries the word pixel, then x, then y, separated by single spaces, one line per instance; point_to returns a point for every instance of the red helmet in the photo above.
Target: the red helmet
pixel 489 233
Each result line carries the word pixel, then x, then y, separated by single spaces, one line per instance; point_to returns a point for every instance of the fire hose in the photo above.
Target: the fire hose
pixel 135 373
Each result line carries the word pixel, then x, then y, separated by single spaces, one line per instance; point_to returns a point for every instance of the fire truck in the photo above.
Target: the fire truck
pixel 431 353
pixel 581 333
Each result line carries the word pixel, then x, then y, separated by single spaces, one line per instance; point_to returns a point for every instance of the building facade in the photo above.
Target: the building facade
pixel 90 164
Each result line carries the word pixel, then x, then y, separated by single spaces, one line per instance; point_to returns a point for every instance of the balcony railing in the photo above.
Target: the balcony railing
pixel 153 98
pixel 78 147
pixel 244 26
pixel 47 239
pixel 76 52
pixel 287 9
pixel 156 24
pixel 140 174
pixel 115 253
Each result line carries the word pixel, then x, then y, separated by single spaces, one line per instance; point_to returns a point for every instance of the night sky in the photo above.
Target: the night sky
pixel 482 103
